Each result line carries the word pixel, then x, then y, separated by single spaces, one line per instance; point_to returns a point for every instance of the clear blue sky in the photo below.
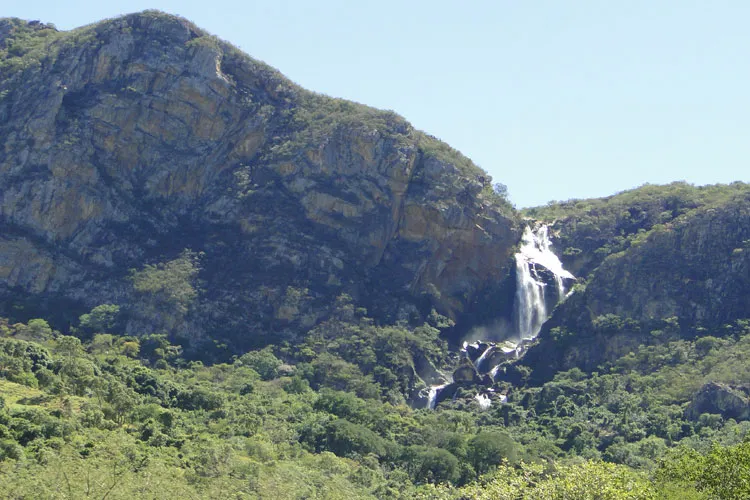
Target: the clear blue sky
pixel 556 99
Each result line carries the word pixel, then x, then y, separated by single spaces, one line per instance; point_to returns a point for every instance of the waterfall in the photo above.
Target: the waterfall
pixel 530 306
pixel 432 397
pixel 484 401
pixel 537 268
pixel 479 363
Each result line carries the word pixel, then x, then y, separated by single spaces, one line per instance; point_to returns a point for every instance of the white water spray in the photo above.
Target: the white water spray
pixel 530 306
pixel 479 363
pixel 432 397
pixel 529 310
pixel 484 401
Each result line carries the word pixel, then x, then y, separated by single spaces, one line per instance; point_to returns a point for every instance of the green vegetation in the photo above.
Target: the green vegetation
pixel 598 227
pixel 328 419
pixel 655 264
pixel 113 407
pixel 168 285
pixel 25 45
pixel 672 200
pixel 29 45
pixel 432 147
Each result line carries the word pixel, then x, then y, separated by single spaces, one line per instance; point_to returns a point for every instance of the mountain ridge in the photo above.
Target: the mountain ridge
pixel 656 263
pixel 215 283
pixel 131 140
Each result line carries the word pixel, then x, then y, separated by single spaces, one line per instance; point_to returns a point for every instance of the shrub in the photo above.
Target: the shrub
pixel 263 361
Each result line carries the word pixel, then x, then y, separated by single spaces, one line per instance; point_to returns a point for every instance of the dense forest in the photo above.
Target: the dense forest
pixel 216 284
pixel 114 416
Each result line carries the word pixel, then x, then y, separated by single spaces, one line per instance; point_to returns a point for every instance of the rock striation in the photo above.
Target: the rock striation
pixel 125 143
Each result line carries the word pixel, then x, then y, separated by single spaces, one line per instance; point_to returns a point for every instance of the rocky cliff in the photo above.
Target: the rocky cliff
pixel 144 162
pixel 655 263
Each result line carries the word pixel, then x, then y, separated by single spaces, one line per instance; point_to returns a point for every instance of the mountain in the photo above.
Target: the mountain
pixel 655 264
pixel 216 284
pixel 148 164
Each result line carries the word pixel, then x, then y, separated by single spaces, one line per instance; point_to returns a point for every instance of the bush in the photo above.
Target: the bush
pixel 101 319
pixel 24 378
pixel 489 448
pixel 264 362
pixel 199 399
pixel 10 449
pixel 36 329
pixel 724 472
pixel 348 439
pixel 431 465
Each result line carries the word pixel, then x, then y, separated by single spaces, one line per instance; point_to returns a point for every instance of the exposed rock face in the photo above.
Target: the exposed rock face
pixel 126 142
pixel 465 373
pixel 668 281
pixel 698 271
pixel 719 399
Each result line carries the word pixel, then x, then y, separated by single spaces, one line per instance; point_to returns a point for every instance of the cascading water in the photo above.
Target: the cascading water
pixel 481 361
pixel 536 266
pixel 530 307
pixel 484 401
pixel 432 397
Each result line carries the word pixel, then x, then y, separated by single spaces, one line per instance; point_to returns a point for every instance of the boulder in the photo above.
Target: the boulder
pixel 722 399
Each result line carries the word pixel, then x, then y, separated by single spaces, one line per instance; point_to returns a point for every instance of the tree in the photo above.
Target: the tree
pixel 37 330
pixel 101 343
pixel 263 361
pixel 431 465
pixel 68 346
pixel 345 438
pixel 727 472
pixel 167 290
pixel 131 348
pixel 156 347
pixel 170 282
pixel 489 448
pixel 595 481
pixel 101 319
pixel 724 472
pixel 500 190
pixel 121 401
pixel 199 398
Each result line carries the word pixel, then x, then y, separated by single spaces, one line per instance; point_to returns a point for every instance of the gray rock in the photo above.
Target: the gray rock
pixel 139 137
pixel 722 399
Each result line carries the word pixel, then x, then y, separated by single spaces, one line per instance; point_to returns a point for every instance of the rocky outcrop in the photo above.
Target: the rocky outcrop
pixel 124 143
pixel 719 399
pixel 465 373
pixel 674 279
pixel 698 271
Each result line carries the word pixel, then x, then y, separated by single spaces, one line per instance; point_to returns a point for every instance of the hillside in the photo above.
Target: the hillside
pixel 655 264
pixel 148 164
pixel 217 284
